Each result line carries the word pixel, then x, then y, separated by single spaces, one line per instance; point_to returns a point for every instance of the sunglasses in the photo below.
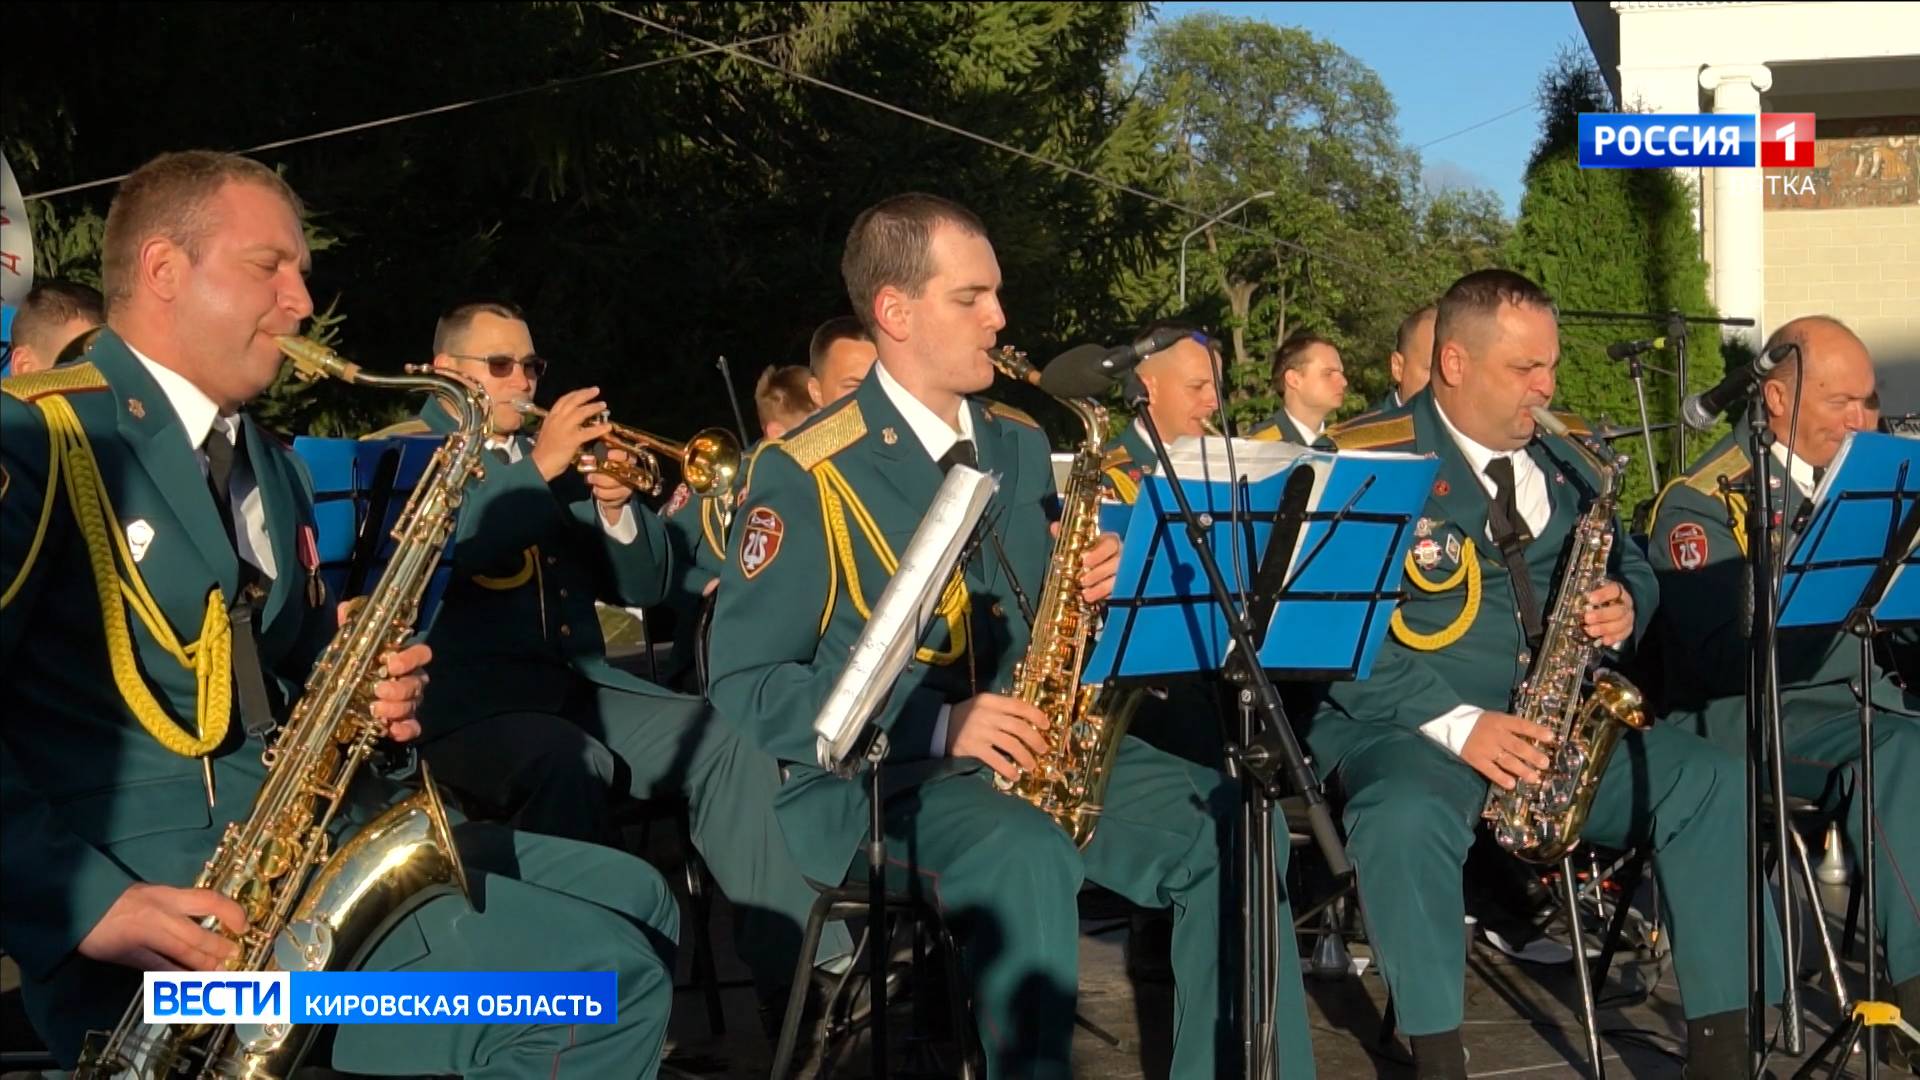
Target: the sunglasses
pixel 500 365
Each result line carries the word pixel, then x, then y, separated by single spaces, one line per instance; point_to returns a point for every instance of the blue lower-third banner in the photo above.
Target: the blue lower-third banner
pixel 381 997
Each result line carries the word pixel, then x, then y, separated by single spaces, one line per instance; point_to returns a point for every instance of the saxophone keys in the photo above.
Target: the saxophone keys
pixel 255 898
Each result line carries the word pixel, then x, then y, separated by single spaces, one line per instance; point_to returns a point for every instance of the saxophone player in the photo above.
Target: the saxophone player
pixel 119 767
pixel 824 513
pixel 1416 745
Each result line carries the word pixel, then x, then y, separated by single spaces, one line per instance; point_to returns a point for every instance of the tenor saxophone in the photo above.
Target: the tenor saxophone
pixel 1588 708
pixel 1084 723
pixel 310 907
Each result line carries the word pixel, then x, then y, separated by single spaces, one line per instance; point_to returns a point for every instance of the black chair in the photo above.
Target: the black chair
pixel 851 901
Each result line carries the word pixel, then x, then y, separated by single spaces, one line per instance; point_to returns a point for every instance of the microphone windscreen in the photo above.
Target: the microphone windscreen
pixel 1076 373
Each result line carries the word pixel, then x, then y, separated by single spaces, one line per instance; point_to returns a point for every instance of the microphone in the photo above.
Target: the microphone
pixel 1701 410
pixel 1623 350
pixel 1076 373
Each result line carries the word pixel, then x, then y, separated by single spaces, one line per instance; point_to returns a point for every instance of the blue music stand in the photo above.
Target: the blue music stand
pixel 360 488
pixel 1328 534
pixel 1854 569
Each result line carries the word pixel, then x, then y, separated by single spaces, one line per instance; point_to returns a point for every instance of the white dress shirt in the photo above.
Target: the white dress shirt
pixel 1302 424
pixel 200 417
pixel 1450 729
pixel 937 438
pixel 623 529
pixel 1801 472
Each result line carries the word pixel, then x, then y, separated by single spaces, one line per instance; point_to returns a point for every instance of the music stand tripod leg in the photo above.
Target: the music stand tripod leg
pixel 1589 1013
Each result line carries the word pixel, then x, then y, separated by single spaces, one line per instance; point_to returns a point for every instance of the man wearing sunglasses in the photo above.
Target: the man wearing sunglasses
pixel 527 720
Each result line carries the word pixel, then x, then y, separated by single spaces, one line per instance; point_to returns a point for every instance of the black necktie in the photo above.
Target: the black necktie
pixel 256 709
pixel 1503 514
pixel 960 453
pixel 1819 474
pixel 1511 536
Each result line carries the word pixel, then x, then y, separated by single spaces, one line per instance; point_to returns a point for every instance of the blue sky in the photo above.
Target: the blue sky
pixel 1448 66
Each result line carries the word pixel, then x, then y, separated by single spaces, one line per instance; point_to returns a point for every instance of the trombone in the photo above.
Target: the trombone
pixel 709 461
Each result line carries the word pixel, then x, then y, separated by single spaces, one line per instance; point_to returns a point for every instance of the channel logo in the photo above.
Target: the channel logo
pixel 220 997
pixel 1696 140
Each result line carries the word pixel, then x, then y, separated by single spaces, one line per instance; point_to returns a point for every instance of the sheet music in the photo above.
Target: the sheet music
pixel 901 614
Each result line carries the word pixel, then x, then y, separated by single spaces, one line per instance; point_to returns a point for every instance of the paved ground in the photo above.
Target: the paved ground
pixel 1522 1019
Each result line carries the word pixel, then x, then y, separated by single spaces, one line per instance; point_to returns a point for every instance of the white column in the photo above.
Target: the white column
pixel 1739 231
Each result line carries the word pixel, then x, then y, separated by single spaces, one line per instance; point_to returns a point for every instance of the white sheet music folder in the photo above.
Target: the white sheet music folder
pixel 901 615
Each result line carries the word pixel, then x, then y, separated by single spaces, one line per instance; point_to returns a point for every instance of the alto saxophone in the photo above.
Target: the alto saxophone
pixel 310 907
pixel 1587 708
pixel 1084 723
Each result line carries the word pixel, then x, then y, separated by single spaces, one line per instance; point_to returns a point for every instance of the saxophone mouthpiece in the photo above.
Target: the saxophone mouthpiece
pixel 1550 422
pixel 313 360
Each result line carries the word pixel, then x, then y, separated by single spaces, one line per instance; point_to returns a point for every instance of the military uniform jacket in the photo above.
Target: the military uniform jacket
pixel 93 800
pixel 1280 427
pixel 1128 461
pixel 825 515
pixel 517 623
pixel 1456 637
pixel 1701 561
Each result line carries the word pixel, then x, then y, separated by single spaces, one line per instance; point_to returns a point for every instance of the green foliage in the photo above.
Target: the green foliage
pixel 1612 240
pixel 1253 107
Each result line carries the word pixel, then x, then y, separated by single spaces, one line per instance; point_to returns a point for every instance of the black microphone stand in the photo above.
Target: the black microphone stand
pixel 1267 746
pixel 1766 741
pixel 1675 330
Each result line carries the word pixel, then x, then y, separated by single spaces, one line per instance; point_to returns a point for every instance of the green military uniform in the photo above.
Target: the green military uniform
pixel 1281 427
pixel 1387 401
pixel 1412 806
pixel 113 620
pixel 697 531
pixel 517 648
pixel 1701 560
pixel 825 515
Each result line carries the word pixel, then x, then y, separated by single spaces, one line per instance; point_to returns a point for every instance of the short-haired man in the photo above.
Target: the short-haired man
pixel 1311 382
pixel 783 399
pixel 121 762
pixel 1702 563
pixel 839 356
pixel 52 316
pixel 531 721
pixel 826 514
pixel 1416 744
pixel 1411 364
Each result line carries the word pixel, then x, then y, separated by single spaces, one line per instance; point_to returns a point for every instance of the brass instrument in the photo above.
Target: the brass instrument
pixel 1587 710
pixel 709 461
pixel 311 907
pixel 1085 723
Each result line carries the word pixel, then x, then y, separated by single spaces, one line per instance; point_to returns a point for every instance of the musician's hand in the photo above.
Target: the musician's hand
pixel 1503 746
pixel 1101 564
pixel 610 494
pixel 157 928
pixel 573 422
pixel 1609 614
pixel 396 698
pixel 1002 731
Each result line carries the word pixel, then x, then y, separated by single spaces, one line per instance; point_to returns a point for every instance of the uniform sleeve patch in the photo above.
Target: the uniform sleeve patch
pixel 678 501
pixel 760 543
pixel 1687 545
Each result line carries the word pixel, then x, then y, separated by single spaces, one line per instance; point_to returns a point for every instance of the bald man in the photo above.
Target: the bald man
pixel 1701 562
pixel 1181 396
pixel 1411 364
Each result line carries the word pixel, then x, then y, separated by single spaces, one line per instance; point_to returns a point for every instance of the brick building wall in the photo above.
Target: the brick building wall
pixel 1843 239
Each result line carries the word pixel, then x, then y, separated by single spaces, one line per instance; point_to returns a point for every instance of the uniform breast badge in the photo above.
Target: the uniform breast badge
pixel 139 538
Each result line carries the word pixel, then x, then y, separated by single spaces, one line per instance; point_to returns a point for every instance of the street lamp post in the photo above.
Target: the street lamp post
pixel 1191 233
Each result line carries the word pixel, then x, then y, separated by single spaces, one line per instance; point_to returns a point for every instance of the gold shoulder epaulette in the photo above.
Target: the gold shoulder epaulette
pixel 73 379
pixel 1372 434
pixel 1575 422
pixel 1732 462
pixel 1270 433
pixel 826 436
pixel 411 426
pixel 1116 458
pixel 1008 412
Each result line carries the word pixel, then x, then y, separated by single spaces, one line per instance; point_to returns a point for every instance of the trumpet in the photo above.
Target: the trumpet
pixel 709 461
